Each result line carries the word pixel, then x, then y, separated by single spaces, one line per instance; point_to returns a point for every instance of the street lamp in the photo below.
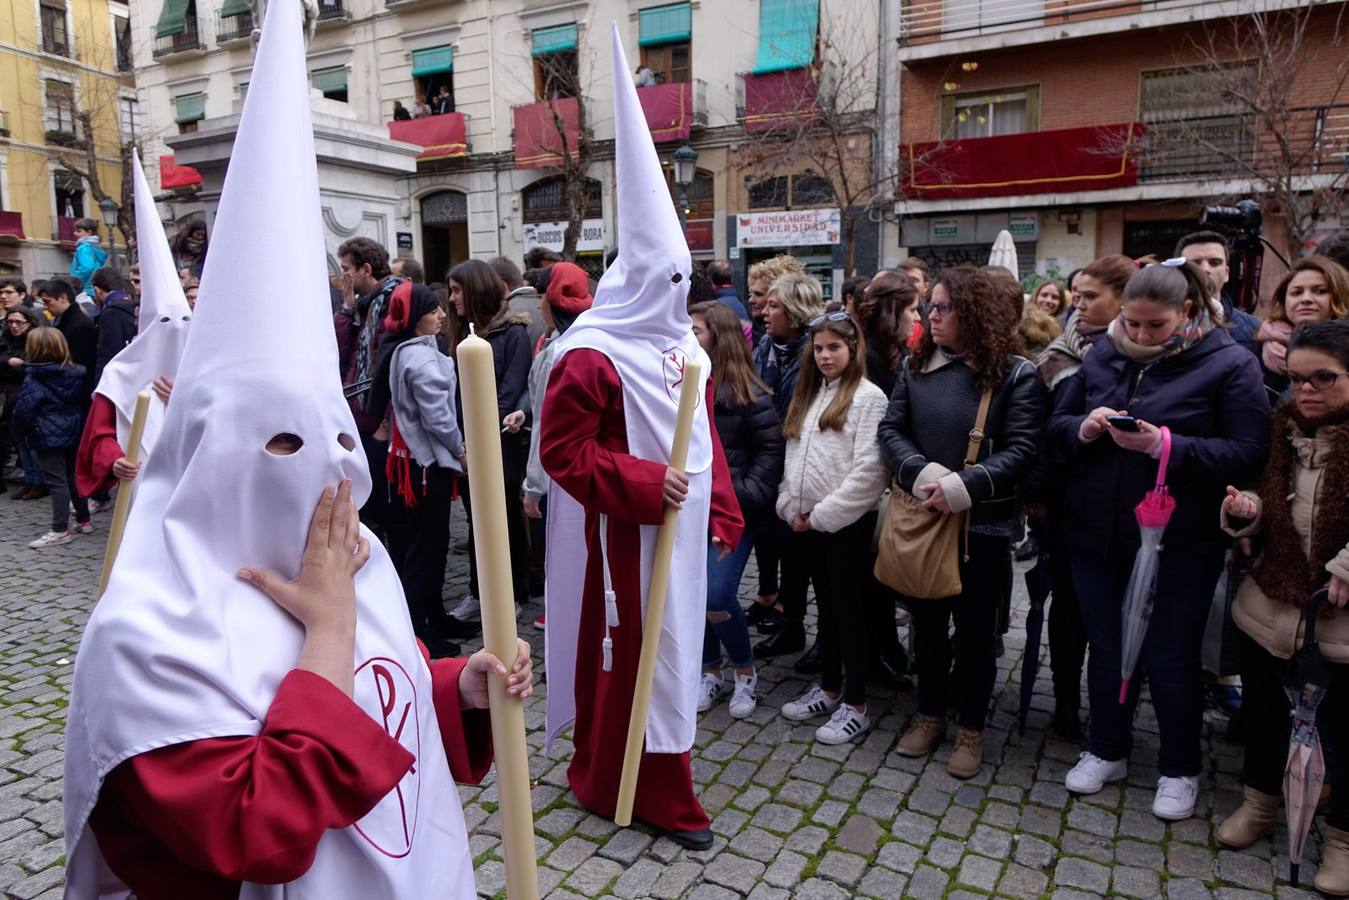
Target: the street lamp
pixel 685 161
pixel 108 208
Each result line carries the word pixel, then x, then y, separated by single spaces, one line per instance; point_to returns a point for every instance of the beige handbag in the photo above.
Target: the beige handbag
pixel 919 550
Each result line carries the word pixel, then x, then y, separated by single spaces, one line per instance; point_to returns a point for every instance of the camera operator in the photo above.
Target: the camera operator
pixel 1208 250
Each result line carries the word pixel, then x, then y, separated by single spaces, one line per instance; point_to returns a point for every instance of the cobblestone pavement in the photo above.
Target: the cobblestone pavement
pixel 792 818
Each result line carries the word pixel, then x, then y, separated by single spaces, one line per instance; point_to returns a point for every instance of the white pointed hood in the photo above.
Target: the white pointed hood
pixel 640 315
pixel 179 649
pixel 164 320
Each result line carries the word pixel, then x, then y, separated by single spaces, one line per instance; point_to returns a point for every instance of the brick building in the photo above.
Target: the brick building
pixel 1089 127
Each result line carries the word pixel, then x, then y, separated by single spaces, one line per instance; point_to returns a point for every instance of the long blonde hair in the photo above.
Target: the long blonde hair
pixel 811 379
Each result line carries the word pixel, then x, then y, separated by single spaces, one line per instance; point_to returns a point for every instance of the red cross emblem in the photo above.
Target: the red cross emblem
pixel 387 693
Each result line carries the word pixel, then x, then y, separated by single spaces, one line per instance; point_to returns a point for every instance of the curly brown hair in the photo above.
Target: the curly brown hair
pixel 988 324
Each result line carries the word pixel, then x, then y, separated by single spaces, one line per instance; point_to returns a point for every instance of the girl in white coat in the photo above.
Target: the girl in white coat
pixel 831 482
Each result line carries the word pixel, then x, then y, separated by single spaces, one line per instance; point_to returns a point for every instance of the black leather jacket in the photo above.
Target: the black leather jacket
pixel 751 435
pixel 929 420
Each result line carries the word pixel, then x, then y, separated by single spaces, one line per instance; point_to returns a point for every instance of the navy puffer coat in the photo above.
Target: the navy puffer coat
pixel 49 411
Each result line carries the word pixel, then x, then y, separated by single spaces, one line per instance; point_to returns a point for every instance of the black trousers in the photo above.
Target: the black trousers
pixel 419 542
pixel 838 565
pixel 1269 722
pixel 975 612
pixel 375 512
pixel 1067 634
pixel 767 553
pixel 58 471
pixel 513 452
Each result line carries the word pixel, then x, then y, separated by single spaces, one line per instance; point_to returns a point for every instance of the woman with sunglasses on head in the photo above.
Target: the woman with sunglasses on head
pixel 1163 362
pixel 1296 507
pixel 968 352
pixel 1316 289
pixel 831 481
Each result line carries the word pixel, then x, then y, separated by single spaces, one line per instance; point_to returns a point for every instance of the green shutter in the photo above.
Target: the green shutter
pixel 665 25
pixel 787 30
pixel 190 108
pixel 557 39
pixel 433 61
pixel 328 80
pixel 233 8
pixel 172 18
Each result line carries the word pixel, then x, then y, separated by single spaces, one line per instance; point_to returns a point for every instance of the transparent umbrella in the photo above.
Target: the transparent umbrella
pixel 1152 513
pixel 1306 682
pixel 1003 254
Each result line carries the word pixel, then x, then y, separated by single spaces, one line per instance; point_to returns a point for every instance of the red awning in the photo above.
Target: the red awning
pixel 669 110
pixel 538 142
pixel 780 99
pixel 172 176
pixel 1095 158
pixel 11 225
pixel 440 137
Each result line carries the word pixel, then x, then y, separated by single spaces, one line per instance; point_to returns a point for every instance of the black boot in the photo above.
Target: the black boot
pixel 790 639
pixel 1067 722
pixel 700 839
pixel 809 662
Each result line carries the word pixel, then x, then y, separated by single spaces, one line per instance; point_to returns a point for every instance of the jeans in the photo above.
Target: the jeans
pixel 32 469
pixel 1268 724
pixel 419 542
pixel 975 611
pixel 1169 656
pixel 58 470
pixel 723 586
pixel 839 565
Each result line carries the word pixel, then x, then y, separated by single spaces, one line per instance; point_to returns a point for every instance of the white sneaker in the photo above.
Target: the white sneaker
pixel 84 527
pixel 98 506
pixel 51 539
pixel 1092 773
pixel 745 699
pixel 710 687
pixel 1175 797
pixel 814 702
pixel 468 610
pixel 845 724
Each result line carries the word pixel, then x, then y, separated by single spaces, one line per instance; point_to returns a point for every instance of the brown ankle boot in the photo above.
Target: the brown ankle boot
pixel 1332 878
pixel 923 736
pixel 1253 820
pixel 968 756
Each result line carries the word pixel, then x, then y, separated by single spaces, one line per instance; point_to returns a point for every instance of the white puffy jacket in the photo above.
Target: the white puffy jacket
pixel 836 476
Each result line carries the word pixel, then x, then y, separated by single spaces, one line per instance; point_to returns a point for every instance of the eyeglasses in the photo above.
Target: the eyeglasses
pixel 941 309
pixel 839 316
pixel 1320 381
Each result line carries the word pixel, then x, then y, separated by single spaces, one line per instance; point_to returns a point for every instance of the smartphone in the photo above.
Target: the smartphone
pixel 1123 423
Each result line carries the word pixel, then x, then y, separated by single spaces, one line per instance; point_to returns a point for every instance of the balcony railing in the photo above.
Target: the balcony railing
pixel 923 21
pixel 233 28
pixel 1309 140
pixel 189 40
pixel 333 11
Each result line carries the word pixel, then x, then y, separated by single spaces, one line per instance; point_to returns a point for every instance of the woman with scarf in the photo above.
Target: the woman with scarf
pixel 1315 289
pixel 1295 505
pixel 792 301
pixel 1098 290
pixel 1162 362
pixel 478 298
pixel 415 383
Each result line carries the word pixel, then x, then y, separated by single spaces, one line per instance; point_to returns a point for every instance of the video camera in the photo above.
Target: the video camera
pixel 1246 252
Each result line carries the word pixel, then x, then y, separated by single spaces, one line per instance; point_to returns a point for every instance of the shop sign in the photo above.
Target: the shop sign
pixel 699 235
pixel 404 242
pixel 1024 228
pixel 950 230
pixel 550 235
pixel 789 228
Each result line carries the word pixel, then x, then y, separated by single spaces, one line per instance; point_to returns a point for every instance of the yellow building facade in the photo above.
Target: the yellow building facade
pixel 66 94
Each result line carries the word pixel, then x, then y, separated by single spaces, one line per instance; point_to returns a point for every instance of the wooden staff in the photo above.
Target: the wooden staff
pixel 655 604
pixel 122 508
pixel 482 432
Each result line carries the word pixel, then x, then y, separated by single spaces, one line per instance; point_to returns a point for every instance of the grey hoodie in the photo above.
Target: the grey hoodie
pixel 421 398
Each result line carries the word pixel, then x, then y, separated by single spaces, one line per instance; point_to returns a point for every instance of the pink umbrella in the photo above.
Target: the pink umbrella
pixel 1306 681
pixel 1152 513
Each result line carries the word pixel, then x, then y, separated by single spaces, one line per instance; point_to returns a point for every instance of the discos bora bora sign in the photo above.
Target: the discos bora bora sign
pixel 790 228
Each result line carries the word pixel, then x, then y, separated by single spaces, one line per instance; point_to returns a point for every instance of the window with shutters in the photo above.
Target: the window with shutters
pixel 55 37
pixel 983 114
pixel 771 193
pixel 546 201
pixel 68 189
pixel 556 72
pixel 433 79
pixel 189 110
pixel 665 36
pixel 122 40
pixel 1194 127
pixel 59 114
pixel 128 109
pixel 331 82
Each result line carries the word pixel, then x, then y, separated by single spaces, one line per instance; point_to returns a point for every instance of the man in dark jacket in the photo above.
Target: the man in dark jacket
pixel 58 294
pixel 719 273
pixel 1208 251
pixel 117 323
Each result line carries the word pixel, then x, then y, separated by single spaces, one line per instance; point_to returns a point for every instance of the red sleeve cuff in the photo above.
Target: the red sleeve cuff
pixel 466 733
